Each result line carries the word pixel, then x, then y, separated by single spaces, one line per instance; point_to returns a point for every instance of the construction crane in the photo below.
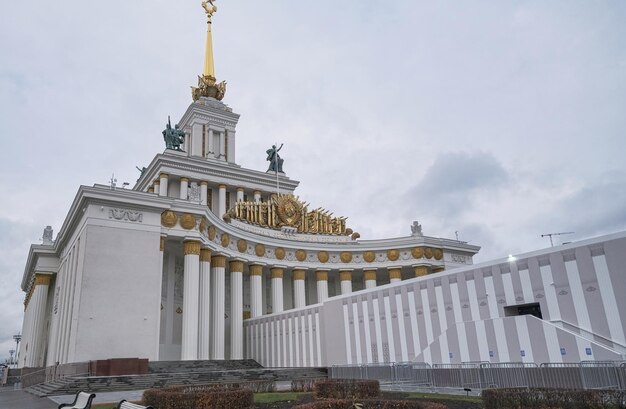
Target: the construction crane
pixel 555 234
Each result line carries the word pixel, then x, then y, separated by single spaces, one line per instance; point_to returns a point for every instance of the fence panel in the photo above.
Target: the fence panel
pixel 600 375
pixel 564 376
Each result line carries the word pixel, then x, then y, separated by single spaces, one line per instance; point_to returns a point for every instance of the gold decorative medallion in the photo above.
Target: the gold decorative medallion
pixel 242 245
pixel 259 250
pixel 288 209
pixel 168 219
pixel 280 253
pixel 179 310
pixel 393 255
pixel 225 240
pixel 438 254
pixel 428 252
pixel 417 252
pixel 187 221
pixel 212 233
pixel 369 256
pixel 323 256
pixel 345 256
pixel 300 255
pixel 203 224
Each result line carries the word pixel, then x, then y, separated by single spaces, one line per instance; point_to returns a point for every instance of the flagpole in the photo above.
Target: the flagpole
pixel 276 170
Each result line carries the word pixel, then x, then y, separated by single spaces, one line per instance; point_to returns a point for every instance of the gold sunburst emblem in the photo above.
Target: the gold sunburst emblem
pixel 289 210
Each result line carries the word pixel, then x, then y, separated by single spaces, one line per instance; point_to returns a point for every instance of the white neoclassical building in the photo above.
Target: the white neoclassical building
pixel 202 259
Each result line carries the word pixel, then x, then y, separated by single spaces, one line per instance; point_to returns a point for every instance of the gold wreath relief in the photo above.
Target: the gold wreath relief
pixel 369 256
pixel 168 219
pixel 259 250
pixel 300 255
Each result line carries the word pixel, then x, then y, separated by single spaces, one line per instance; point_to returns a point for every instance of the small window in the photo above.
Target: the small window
pixel 533 309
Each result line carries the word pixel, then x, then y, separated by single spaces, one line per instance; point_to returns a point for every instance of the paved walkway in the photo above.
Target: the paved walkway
pixel 19 399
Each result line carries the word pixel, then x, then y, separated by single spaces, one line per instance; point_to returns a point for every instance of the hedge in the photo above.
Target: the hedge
pixel 370 404
pixel 543 398
pixel 346 389
pixel 200 397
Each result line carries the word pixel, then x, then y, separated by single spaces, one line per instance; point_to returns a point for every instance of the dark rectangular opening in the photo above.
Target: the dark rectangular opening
pixel 533 309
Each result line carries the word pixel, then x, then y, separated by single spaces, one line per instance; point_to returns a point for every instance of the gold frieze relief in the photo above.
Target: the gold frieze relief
pixel 287 210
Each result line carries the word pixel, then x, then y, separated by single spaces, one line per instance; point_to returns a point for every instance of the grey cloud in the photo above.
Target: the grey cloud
pixel 452 181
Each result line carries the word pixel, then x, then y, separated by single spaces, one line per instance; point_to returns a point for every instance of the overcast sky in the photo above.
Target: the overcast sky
pixel 501 120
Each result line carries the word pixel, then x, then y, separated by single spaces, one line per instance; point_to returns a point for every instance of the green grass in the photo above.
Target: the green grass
pixel 273 397
pixel 436 396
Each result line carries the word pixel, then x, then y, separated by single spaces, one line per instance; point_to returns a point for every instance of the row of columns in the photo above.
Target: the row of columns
pixel 161 185
pixel 204 298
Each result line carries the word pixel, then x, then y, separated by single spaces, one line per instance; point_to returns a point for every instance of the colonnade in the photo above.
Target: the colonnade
pixel 203 323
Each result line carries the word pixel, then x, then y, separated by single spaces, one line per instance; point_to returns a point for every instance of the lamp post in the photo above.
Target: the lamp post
pixel 17 339
pixel 11 352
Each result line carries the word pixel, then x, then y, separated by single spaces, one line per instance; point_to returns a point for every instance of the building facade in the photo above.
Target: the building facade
pixel 205 259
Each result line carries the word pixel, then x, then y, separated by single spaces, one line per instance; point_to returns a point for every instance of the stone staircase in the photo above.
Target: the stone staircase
pixel 171 373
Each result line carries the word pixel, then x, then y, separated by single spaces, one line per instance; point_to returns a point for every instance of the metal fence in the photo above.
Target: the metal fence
pixel 481 375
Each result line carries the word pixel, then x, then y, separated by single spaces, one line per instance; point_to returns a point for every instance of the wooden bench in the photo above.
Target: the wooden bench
pixel 127 405
pixel 82 401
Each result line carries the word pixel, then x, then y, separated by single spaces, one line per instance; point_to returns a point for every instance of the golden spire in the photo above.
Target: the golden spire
pixel 209 68
pixel 207 84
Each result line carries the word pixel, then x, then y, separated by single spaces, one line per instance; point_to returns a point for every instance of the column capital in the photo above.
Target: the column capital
pixel 421 270
pixel 257 192
pixel 222 186
pixel 205 254
pixel 163 175
pixel 298 274
pixel 151 189
pixel 345 275
pixel 239 189
pixel 395 273
pixel 369 275
pixel 184 179
pixel 256 269
pixel 236 266
pixel 204 183
pixel 277 272
pixel 162 242
pixel 191 247
pixel 321 275
pixel 218 261
pixel 42 279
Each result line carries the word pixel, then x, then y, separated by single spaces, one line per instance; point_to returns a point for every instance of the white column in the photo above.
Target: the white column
pixel 322 285
pixel 218 300
pixel 221 208
pixel 157 187
pixel 163 179
pixel 240 194
pixel 189 347
pixel 196 140
pixel 231 145
pixel 395 275
pixel 257 196
pixel 204 309
pixel 256 297
pixel 210 145
pixel 299 293
pixel 184 186
pixel 223 145
pixel 370 278
pixel 346 281
pixel 203 192
pixel 236 309
pixel 38 301
pixel 277 289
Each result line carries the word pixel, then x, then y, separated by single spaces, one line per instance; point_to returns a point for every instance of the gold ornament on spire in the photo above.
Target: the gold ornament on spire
pixel 207 84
